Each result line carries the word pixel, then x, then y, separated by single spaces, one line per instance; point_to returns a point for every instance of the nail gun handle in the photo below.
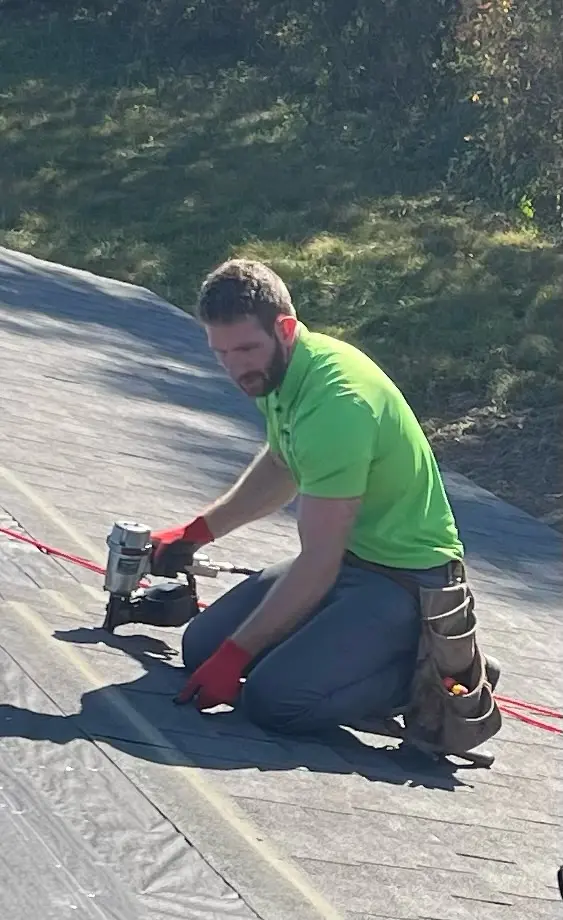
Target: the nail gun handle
pixel 202 565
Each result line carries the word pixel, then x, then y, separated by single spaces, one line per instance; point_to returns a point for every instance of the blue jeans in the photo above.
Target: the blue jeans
pixel 352 658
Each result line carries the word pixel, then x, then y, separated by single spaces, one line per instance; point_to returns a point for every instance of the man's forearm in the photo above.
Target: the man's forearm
pixel 289 602
pixel 264 487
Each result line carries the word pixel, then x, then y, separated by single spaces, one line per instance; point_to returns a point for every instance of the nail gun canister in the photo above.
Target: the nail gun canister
pixel 129 547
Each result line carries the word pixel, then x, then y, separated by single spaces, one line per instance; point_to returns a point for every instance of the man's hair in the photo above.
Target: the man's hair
pixel 241 288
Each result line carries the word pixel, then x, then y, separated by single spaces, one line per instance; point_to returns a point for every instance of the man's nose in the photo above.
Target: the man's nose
pixel 242 363
pixel 237 365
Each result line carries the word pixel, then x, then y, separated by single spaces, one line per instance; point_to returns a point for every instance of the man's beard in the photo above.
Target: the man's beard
pixel 261 383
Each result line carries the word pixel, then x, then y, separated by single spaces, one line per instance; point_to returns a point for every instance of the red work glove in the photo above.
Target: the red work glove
pixel 173 548
pixel 217 679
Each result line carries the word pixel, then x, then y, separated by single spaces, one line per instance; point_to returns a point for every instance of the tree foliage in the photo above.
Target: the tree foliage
pixel 510 57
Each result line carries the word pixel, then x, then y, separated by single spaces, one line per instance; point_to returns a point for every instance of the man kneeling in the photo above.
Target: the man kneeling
pixel 329 637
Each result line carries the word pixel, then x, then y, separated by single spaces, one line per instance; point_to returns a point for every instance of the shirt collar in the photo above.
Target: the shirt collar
pixel 297 368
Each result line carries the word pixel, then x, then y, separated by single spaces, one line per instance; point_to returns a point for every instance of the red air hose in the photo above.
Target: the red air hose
pixel 507 704
pixel 52 551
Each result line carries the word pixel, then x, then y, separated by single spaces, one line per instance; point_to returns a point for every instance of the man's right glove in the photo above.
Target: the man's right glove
pixel 173 549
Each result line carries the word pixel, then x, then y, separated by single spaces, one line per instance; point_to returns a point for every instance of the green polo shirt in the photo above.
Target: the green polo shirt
pixel 345 430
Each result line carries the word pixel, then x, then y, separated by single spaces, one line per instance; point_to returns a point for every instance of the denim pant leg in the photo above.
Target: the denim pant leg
pixel 205 633
pixel 353 658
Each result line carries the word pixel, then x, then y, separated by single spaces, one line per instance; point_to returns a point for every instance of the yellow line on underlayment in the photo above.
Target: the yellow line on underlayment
pixel 54 516
pixel 223 805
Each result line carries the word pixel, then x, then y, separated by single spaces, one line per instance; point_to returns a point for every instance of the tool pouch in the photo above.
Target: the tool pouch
pixel 448 648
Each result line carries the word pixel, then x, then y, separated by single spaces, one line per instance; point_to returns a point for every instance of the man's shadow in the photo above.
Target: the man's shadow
pixel 140 718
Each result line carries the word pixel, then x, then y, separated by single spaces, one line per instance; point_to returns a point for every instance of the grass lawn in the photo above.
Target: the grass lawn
pixel 155 177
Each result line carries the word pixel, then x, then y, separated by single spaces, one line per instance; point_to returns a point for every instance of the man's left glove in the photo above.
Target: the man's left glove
pixel 173 548
pixel 217 680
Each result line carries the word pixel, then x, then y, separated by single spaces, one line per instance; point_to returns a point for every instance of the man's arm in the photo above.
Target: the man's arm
pixel 334 461
pixel 324 525
pixel 264 487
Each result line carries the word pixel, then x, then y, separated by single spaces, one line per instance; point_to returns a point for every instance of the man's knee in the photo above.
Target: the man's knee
pixel 272 703
pixel 194 647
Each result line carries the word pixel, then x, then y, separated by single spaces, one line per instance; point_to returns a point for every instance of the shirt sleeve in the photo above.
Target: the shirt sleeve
pixel 334 448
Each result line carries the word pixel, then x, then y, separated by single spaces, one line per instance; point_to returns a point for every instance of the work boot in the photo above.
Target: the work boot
pixel 492 670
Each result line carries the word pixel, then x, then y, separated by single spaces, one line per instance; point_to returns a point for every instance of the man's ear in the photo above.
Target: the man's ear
pixel 285 329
